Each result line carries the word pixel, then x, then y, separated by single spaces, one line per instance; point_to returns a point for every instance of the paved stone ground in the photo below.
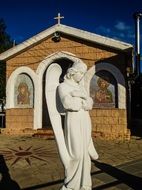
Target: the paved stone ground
pixel 30 163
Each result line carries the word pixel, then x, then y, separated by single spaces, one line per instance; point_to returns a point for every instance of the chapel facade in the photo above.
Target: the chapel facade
pixel 107 60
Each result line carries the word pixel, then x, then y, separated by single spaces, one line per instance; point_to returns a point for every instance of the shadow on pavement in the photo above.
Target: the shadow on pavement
pixel 6 183
pixel 121 177
pixel 43 185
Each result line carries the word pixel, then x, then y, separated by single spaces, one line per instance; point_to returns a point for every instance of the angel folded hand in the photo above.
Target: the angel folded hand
pixel 78 93
pixel 87 104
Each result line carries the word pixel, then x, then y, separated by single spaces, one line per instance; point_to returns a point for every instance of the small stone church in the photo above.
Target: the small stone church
pixel 108 62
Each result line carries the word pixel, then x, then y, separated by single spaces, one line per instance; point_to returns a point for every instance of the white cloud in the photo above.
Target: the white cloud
pixel 119 31
pixel 122 26
pixel 122 35
pixel 103 29
pixel 131 36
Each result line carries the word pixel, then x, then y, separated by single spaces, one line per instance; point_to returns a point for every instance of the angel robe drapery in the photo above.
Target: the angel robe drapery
pixel 77 137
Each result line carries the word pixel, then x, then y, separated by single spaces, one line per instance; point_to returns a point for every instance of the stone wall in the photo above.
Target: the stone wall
pixel 110 123
pixel 19 121
pixel 90 54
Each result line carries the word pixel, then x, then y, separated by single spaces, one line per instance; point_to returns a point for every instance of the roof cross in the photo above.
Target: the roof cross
pixel 59 17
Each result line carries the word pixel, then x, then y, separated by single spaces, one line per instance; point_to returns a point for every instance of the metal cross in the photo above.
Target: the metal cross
pixel 59 17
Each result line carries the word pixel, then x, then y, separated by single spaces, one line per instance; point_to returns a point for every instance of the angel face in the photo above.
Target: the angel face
pixel 78 76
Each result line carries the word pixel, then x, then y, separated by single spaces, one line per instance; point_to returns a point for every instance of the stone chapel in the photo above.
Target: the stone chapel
pixel 108 62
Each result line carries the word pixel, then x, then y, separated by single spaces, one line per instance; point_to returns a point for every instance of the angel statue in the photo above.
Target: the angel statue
pixel 75 144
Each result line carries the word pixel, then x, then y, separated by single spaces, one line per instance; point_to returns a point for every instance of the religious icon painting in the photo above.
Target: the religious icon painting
pixel 103 90
pixel 23 96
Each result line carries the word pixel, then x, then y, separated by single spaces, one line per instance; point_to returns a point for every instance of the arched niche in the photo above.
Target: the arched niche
pixel 26 75
pixel 23 91
pixel 117 75
pixel 103 90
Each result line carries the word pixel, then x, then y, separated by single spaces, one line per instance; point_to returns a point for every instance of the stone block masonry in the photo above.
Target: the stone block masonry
pixel 110 124
pixel 19 121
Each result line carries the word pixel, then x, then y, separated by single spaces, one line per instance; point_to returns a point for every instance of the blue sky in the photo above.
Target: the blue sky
pixel 111 18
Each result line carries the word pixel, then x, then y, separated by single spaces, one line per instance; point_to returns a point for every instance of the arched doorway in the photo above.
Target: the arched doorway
pixel 65 64
pixel 65 59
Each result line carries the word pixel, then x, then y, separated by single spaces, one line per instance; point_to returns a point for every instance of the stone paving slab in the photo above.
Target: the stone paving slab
pixel 124 176
pixel 34 163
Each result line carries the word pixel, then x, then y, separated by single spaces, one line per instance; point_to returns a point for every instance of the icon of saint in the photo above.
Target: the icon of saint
pixel 23 96
pixel 103 94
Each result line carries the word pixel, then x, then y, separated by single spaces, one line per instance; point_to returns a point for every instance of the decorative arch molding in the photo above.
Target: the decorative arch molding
pixel 11 83
pixel 53 57
pixel 40 72
pixel 117 75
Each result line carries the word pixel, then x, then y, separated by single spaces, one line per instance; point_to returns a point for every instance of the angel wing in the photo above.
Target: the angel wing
pixel 87 79
pixel 86 83
pixel 55 108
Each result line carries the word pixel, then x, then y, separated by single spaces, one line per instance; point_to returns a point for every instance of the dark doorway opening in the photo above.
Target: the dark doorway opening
pixel 65 64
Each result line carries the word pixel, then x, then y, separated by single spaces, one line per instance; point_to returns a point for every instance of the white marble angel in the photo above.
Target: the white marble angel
pixel 75 144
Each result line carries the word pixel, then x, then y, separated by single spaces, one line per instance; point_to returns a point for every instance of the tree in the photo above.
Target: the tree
pixel 5 40
pixel 5 44
pixel 2 79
